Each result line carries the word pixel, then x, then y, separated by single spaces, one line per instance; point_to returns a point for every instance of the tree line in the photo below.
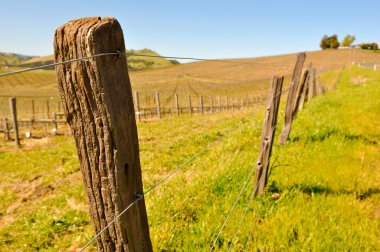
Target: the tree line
pixel 332 42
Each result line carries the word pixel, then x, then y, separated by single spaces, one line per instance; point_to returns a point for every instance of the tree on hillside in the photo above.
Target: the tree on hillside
pixel 348 40
pixel 369 46
pixel 329 42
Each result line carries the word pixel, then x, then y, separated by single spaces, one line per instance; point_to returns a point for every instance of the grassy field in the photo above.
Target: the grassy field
pixel 327 178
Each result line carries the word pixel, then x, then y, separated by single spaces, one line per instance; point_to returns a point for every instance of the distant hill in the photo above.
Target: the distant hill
pixel 134 62
pixel 233 76
pixel 142 62
pixel 11 59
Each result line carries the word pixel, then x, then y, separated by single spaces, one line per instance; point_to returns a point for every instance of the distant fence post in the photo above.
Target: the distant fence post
pixel 301 92
pixel 177 104
pixel 138 111
pixel 100 102
pixel 158 104
pixel 291 98
pixel 190 109
pixel 12 104
pixel 226 103
pixel 201 103
pixel 305 95
pixel 267 135
pixel 211 105
pixel 219 105
pixel 311 93
pixel 55 124
pixel 33 110
pixel 6 130
pixel 47 109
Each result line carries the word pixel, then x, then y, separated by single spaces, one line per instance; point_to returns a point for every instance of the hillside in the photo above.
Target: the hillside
pixel 11 59
pixel 236 76
pixel 134 62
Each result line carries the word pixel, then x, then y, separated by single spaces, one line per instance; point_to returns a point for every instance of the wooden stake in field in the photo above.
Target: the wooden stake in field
pixel 12 105
pixel 291 98
pixel 267 135
pixel 158 105
pixel 6 130
pixel 201 103
pixel 301 92
pixel 97 99
pixel 138 111
pixel 189 100
pixel 177 104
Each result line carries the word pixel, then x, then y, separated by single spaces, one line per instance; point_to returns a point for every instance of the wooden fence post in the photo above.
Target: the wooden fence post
pixel 12 104
pixel 98 105
pixel 138 112
pixel 190 109
pixel 301 92
pixel 311 93
pixel 33 111
pixel 219 105
pixel 267 135
pixel 201 103
pixel 158 104
pixel 177 104
pixel 211 105
pixel 291 98
pixel 6 130
pixel 47 109
pixel 55 124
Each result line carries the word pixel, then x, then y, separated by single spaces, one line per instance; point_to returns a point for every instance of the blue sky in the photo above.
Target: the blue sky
pixel 196 28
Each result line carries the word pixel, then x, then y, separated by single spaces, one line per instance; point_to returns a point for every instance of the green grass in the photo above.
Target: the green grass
pixel 327 175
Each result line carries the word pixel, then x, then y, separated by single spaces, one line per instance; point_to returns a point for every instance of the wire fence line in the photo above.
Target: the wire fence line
pixel 141 197
pixel 59 63
pixel 236 201
pixel 118 53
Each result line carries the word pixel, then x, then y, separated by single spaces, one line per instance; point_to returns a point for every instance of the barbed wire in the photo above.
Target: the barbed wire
pixel 118 53
pixel 141 197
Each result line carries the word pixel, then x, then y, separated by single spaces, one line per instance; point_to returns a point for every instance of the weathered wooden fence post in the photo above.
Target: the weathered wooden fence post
pixel 47 109
pixel 158 104
pixel 177 104
pixel 138 112
pixel 267 135
pixel 226 103
pixel 311 89
pixel 201 103
pixel 33 111
pixel 211 105
pixel 301 92
pixel 190 109
pixel 219 105
pixel 12 104
pixel 97 98
pixel 6 130
pixel 291 98
pixel 54 124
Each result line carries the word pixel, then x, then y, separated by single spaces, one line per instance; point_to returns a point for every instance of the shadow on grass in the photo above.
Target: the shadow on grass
pixel 325 134
pixel 323 190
